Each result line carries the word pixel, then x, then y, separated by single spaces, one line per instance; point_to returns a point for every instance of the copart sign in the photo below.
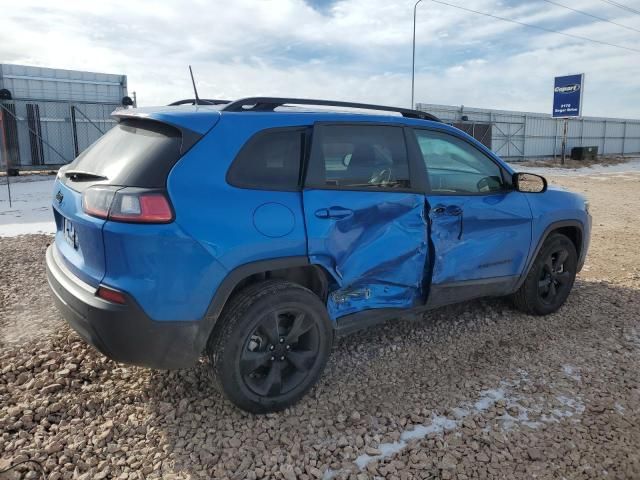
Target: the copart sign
pixel 567 95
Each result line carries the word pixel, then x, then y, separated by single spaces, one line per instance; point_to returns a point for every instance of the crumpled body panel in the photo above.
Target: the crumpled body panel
pixel 376 253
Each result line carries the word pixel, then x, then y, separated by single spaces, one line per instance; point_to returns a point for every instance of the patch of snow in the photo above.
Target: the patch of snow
pixel 329 474
pixel 633 167
pixel 489 398
pixel 438 425
pixel 571 372
pixel 31 206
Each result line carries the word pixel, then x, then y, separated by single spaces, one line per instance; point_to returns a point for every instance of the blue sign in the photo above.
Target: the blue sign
pixel 567 96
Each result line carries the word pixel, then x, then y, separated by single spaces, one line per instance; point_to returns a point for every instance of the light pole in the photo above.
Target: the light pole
pixel 413 60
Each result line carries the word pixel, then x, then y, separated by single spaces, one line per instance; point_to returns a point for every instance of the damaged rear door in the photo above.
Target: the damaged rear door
pixel 365 219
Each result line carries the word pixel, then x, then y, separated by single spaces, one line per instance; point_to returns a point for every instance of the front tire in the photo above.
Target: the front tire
pixel 550 279
pixel 273 343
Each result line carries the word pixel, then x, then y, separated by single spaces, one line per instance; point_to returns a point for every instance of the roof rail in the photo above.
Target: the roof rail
pixel 268 104
pixel 201 101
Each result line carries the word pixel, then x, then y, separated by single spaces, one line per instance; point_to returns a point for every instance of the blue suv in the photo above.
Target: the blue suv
pixel 256 231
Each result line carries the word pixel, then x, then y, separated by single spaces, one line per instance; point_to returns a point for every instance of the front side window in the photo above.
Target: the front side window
pixel 269 160
pixel 360 156
pixel 456 167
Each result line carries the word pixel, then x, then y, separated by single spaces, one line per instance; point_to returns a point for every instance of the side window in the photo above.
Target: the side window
pixel 456 167
pixel 360 156
pixel 269 160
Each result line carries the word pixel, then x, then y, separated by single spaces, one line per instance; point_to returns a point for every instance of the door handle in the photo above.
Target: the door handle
pixel 452 210
pixel 336 213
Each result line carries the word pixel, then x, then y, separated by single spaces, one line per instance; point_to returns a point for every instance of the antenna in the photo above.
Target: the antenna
pixel 195 90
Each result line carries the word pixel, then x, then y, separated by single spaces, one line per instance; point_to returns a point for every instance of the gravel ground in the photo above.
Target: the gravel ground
pixel 470 391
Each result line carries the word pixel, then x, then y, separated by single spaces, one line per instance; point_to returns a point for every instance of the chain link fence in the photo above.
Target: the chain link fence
pixel 522 135
pixel 47 134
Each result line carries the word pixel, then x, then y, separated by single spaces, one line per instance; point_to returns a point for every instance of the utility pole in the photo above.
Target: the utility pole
pixel 413 58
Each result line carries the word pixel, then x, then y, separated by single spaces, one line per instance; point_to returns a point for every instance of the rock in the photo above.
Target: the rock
pixel 52 388
pixel 287 472
pixel 371 451
pixel 314 472
pixel 534 454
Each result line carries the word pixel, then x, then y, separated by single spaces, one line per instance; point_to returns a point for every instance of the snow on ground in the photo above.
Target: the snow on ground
pixel 31 206
pixel 632 166
pixel 566 407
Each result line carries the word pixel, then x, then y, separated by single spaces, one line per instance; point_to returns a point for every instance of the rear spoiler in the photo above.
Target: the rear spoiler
pixel 196 119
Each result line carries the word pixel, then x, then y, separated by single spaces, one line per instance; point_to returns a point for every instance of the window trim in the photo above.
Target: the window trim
pixel 313 176
pixel 305 130
pixel 506 177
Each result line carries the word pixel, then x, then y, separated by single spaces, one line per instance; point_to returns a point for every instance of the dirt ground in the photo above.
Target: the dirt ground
pixel 476 390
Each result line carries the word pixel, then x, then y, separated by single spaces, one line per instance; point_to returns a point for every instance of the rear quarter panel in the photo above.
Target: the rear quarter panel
pixel 220 217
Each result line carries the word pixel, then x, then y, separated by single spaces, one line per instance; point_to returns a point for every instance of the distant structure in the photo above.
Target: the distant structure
pixel 524 135
pixel 49 116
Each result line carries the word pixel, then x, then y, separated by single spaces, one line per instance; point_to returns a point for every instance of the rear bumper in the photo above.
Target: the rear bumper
pixel 123 333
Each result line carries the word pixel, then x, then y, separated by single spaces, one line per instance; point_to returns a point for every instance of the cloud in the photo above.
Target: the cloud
pixel 344 49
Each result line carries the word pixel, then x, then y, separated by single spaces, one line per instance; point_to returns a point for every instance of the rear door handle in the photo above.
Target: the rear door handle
pixel 439 209
pixel 454 210
pixel 335 213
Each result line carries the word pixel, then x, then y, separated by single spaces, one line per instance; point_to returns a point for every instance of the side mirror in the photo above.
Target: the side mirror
pixel 529 183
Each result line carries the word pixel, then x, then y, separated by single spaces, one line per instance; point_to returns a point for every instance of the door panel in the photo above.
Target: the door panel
pixel 479 237
pixel 374 243
pixel 480 228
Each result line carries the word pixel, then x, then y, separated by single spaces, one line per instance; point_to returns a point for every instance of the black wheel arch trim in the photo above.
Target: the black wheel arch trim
pixel 550 229
pixel 232 280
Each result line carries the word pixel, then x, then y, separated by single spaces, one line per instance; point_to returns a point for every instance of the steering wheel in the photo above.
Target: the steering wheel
pixel 488 184
pixel 383 176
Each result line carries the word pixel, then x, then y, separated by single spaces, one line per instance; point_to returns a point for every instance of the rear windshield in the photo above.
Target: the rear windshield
pixel 137 153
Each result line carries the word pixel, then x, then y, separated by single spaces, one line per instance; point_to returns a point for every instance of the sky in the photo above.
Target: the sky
pixel 357 50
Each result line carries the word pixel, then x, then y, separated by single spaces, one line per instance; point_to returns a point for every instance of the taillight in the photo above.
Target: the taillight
pixel 96 201
pixel 128 204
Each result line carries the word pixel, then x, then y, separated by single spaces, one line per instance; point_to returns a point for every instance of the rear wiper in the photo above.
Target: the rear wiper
pixel 79 175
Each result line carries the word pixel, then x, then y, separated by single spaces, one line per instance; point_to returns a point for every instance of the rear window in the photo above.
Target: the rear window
pixel 137 153
pixel 270 160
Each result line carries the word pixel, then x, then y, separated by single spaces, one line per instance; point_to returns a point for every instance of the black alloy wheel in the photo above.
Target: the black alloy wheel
pixel 555 277
pixel 278 354
pixel 550 278
pixel 272 344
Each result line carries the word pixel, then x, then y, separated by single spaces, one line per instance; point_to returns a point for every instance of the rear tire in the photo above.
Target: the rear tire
pixel 550 278
pixel 272 344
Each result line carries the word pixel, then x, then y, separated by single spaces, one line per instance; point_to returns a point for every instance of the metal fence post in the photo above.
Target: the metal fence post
pixel 5 154
pixel 624 136
pixel 564 140
pixel 555 139
pixel 524 140
pixel 74 130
